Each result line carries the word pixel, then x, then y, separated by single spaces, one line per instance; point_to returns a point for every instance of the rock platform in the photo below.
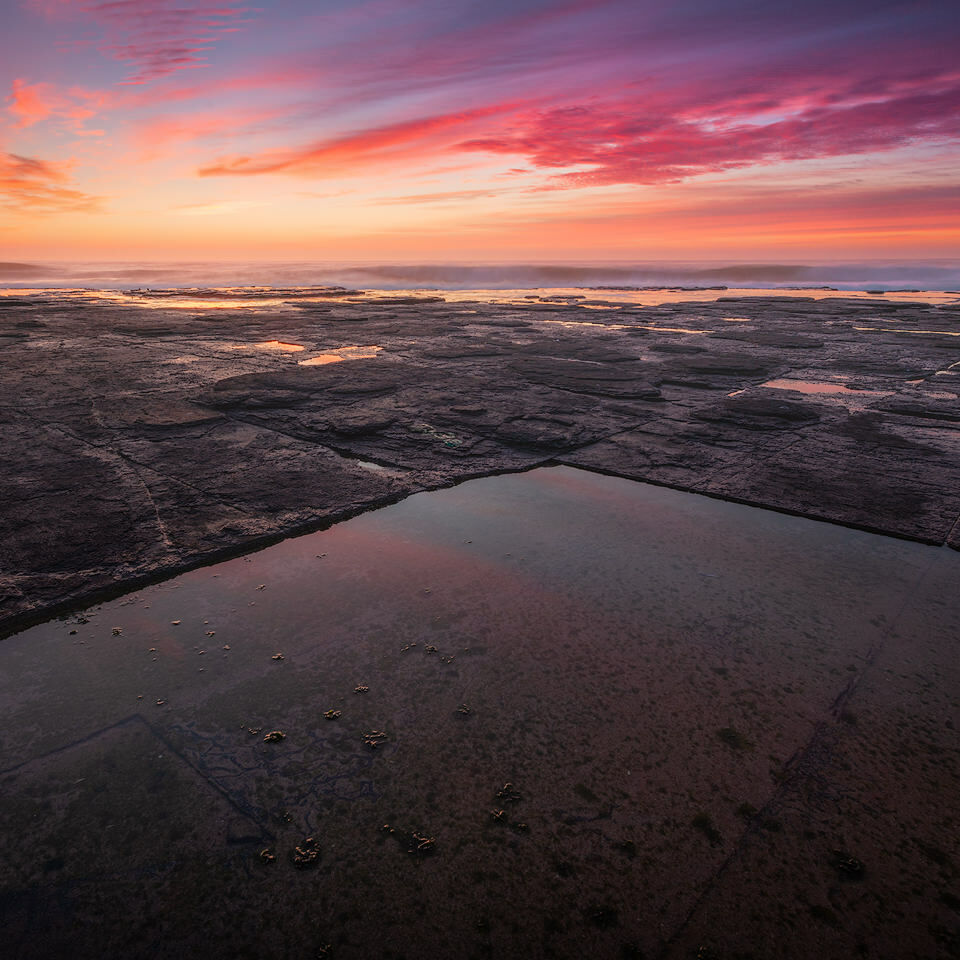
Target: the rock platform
pixel 140 439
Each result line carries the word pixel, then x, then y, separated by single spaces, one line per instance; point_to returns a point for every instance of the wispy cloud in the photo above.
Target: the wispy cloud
pixel 644 140
pixel 29 185
pixel 628 143
pixel 154 38
pixel 345 154
pixel 446 196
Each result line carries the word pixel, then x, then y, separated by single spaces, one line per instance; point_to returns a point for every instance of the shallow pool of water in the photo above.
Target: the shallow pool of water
pixel 638 664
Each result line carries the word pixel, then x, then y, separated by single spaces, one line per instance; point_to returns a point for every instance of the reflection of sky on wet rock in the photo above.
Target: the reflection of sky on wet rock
pixel 602 634
pixel 343 353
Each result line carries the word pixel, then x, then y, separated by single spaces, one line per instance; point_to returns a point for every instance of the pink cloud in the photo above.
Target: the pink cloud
pixel 36 186
pixel 32 103
pixel 413 138
pixel 630 143
pixel 652 137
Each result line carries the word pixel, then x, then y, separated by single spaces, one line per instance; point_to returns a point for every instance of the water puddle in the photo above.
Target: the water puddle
pixel 654 326
pixel 942 333
pixel 373 467
pixel 823 387
pixel 278 345
pixel 342 353
pixel 534 669
pixel 949 371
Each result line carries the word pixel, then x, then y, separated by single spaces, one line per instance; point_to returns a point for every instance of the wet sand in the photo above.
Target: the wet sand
pixel 576 716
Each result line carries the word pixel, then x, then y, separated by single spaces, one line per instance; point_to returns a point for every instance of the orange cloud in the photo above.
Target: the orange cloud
pixel 29 185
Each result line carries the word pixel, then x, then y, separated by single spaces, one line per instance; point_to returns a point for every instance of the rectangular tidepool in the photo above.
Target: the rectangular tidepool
pixel 531 715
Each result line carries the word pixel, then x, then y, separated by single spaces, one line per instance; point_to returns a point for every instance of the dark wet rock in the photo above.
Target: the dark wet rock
pixel 573 348
pixel 161 414
pixel 136 444
pixel 728 364
pixel 454 351
pixel 925 410
pixel 283 388
pixel 765 338
pixel 759 413
pixel 548 433
pixel 242 830
pixel 510 323
pixel 627 379
pixel 870 429
pixel 682 348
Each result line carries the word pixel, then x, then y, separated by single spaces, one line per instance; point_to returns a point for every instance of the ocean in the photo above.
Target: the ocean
pixel 880 275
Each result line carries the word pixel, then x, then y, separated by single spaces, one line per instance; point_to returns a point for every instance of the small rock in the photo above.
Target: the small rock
pixel 421 845
pixel 509 794
pixel 847 865
pixel 274 736
pixel 307 853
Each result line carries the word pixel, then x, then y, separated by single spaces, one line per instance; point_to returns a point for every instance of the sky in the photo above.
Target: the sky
pixel 502 130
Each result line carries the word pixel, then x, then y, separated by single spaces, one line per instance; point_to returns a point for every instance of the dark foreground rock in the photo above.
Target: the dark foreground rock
pixel 139 441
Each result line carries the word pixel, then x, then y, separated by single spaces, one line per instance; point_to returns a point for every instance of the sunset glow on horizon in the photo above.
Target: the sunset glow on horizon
pixel 449 129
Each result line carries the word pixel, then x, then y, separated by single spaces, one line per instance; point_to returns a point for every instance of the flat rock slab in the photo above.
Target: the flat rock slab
pixel 143 440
